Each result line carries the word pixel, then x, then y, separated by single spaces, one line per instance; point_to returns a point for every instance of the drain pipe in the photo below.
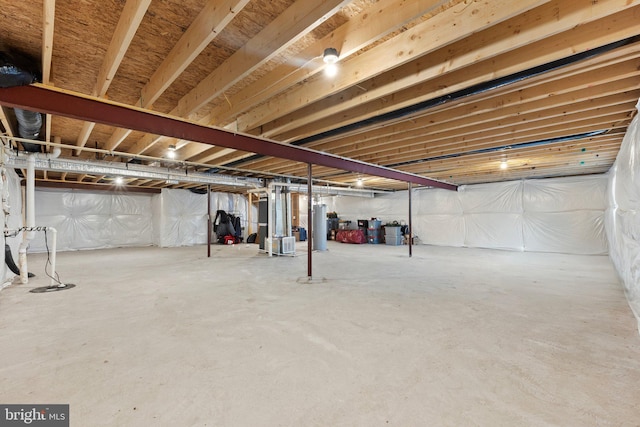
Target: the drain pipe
pixel 27 236
pixel 30 211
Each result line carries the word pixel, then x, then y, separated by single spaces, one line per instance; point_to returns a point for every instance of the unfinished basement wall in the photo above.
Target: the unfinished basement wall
pixel 623 214
pixel 180 216
pixel 12 203
pixel 564 215
pixel 93 220
pixel 98 220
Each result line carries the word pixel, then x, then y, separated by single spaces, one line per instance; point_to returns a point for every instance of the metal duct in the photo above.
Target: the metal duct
pixel 129 170
pixel 29 125
pixel 17 70
pixel 324 191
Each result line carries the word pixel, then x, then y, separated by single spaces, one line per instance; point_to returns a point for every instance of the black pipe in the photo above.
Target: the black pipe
pixel 8 259
pixel 529 144
pixel 454 96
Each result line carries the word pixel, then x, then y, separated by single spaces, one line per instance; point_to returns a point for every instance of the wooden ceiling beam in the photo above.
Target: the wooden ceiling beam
pixel 441 30
pixel 463 70
pixel 618 102
pixel 214 18
pixel 530 162
pixel 502 130
pixel 294 23
pixel 547 155
pixel 457 124
pixel 549 129
pixel 130 19
pixel 610 29
pixel 5 123
pixel 467 147
pixel 48 19
pixel 375 22
pixel 291 25
pixel 567 91
pixel 209 23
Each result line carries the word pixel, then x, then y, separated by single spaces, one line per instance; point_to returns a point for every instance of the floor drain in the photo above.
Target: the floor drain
pixel 46 289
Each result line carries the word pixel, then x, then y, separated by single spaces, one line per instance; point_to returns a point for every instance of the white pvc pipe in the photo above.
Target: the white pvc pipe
pixel 30 208
pixel 30 218
pixel 22 263
pixel 31 195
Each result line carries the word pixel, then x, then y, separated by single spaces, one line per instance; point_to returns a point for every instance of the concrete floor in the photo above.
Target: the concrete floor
pixel 451 337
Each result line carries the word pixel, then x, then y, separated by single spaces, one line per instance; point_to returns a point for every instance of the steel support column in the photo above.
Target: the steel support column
pixel 309 220
pixel 209 221
pixel 410 243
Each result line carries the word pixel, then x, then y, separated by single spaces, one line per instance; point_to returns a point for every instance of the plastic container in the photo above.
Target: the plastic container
pixel 374 235
pixel 392 231
pixel 394 241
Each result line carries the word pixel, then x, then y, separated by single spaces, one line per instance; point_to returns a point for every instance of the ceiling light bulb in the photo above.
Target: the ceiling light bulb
pixel 171 151
pixel 359 182
pixel 503 165
pixel 119 180
pixel 330 56
pixel 331 70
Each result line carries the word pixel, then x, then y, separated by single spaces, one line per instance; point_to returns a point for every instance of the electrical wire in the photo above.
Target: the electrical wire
pixel 48 263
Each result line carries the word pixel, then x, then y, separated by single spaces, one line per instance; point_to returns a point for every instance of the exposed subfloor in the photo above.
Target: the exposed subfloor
pixel 452 337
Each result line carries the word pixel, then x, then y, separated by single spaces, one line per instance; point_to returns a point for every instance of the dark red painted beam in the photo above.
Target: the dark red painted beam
pixel 49 100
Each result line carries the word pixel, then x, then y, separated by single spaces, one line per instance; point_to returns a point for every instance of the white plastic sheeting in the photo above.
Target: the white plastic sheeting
pixel 180 216
pixel 93 220
pixel 563 215
pixel 14 221
pixel 623 214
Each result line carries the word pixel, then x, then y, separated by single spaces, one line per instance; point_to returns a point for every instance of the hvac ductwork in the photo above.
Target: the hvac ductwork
pixel 29 125
pixel 16 70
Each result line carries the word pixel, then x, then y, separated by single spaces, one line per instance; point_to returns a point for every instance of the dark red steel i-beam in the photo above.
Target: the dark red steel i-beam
pixel 50 100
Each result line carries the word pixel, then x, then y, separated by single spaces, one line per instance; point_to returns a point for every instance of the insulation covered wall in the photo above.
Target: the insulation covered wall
pixel 181 215
pixel 12 196
pixel 623 214
pixel 93 220
pixel 563 215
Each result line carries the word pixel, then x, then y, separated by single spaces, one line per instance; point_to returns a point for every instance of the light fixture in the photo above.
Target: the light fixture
pixel 330 58
pixel 330 55
pixel 359 182
pixel 118 181
pixel 504 165
pixel 171 151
